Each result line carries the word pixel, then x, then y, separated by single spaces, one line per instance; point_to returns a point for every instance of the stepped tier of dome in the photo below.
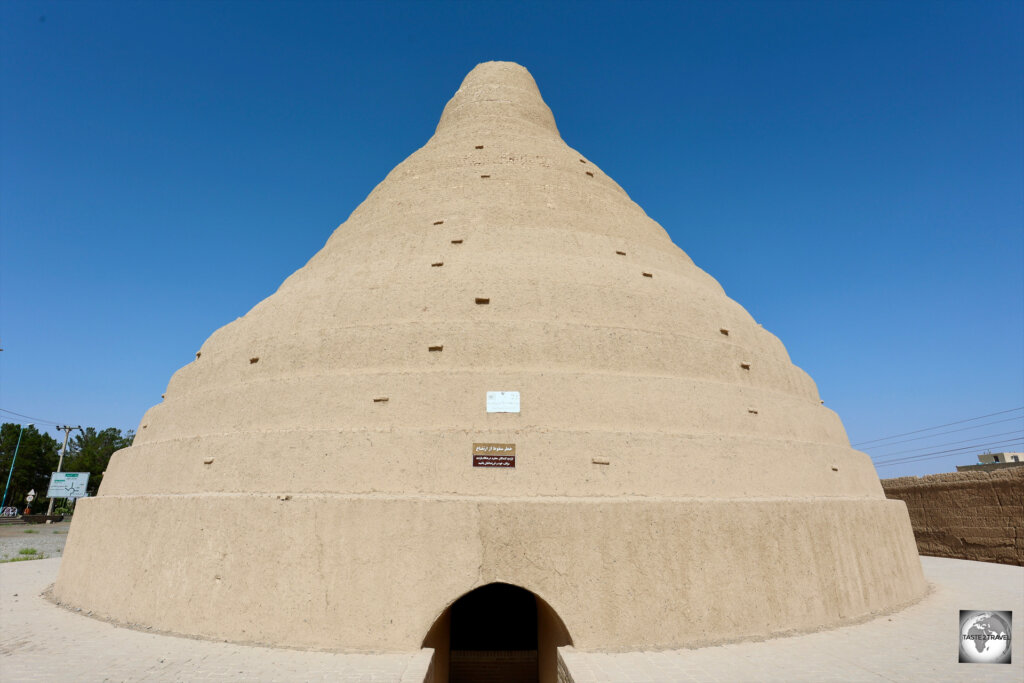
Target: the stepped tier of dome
pixel 661 428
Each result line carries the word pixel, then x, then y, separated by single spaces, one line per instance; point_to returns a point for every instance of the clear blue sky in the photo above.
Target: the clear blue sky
pixel 851 172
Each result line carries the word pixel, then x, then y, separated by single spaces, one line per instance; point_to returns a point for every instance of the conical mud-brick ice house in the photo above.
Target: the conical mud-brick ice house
pixel 499 410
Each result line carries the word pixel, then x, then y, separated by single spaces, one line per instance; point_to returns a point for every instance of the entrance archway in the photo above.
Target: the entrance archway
pixel 499 633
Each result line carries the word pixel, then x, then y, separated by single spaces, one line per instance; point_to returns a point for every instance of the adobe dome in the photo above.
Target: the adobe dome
pixel 309 479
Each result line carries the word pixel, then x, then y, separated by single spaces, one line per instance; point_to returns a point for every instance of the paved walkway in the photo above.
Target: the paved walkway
pixel 42 642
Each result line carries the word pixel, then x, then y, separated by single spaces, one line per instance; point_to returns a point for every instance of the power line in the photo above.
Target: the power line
pixel 973 447
pixel 928 429
pixel 29 417
pixel 947 443
pixel 951 431
pixel 921 458
pixel 988 445
pixel 953 451
pixel 933 457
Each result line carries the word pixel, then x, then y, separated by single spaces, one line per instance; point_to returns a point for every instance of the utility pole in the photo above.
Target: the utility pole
pixel 60 462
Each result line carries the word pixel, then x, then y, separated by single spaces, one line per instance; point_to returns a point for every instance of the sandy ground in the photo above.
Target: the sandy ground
pixel 47 539
pixel 917 644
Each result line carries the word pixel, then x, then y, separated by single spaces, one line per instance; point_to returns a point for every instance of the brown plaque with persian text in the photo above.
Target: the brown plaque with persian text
pixel 494 455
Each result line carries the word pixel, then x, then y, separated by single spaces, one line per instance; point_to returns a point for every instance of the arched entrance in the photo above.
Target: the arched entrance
pixel 498 633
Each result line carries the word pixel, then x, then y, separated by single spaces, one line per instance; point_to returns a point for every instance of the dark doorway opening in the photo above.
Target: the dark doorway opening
pixel 494 636
pixel 498 633
pixel 497 616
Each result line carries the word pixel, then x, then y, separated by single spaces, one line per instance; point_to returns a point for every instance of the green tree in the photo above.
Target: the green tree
pixel 90 452
pixel 37 458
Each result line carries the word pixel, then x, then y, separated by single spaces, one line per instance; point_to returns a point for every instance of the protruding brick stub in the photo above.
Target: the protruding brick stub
pixel 497 95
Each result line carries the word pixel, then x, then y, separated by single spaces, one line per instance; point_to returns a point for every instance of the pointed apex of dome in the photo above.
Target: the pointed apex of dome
pixel 497 96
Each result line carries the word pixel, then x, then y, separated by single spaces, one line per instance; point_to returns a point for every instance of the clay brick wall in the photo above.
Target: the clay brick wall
pixel 491 666
pixel 966 515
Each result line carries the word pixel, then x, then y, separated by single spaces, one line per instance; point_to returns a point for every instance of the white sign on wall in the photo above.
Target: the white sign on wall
pixel 502 401
pixel 68 485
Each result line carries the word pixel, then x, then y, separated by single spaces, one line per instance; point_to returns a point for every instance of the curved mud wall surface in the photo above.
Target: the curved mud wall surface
pixel 966 515
pixel 374 573
pixel 308 479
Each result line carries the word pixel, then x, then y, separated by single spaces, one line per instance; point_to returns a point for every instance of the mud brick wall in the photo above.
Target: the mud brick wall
pixel 966 515
pixel 490 666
